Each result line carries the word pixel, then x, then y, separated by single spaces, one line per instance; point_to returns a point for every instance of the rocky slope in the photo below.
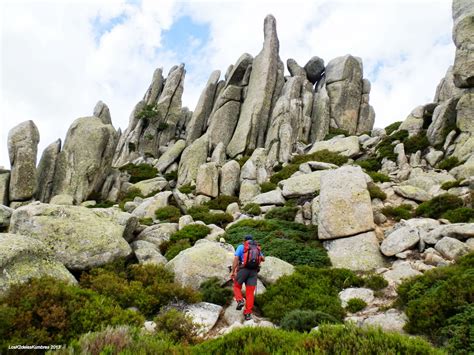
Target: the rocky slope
pixel 306 142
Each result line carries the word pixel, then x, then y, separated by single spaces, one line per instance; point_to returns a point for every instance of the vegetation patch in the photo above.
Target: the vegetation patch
pixel 378 177
pixel 147 112
pixel 376 192
pixel 252 209
pixel 170 250
pixel 369 164
pixel 392 127
pixel 213 292
pixel 438 205
pixel 168 213
pixel 178 326
pixel 293 242
pixel 267 186
pixel 147 221
pixel 284 173
pixel 459 215
pixel 450 184
pixel 355 305
pixel 324 156
pixel 333 132
pixel 305 320
pixel 202 213
pixel 439 303
pixel 187 189
pixel 416 143
pixel 243 160
pixel 404 211
pixel 171 176
pixel 130 196
pixel 374 282
pixel 314 289
pixel 139 172
pixel 285 213
pixel 449 163
pixel 221 202
pixel 102 204
pixel 385 147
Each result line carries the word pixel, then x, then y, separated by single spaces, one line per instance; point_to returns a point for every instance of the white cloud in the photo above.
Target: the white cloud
pixel 55 65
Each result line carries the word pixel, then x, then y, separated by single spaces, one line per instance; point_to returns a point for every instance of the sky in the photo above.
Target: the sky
pixel 59 57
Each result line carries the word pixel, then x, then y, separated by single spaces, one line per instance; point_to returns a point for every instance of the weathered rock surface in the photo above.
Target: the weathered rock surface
pixel 4 186
pixel 314 69
pixel 229 178
pixel 204 314
pixel 171 155
pixel 273 268
pixel 23 142
pixel 151 186
pixel 23 258
pixel 345 206
pixel 273 197
pixel 86 158
pixel 459 231
pixel 5 215
pixel 348 146
pixel 78 237
pixel 207 180
pixel 192 158
pixel 399 272
pixel 158 234
pixel 391 321
pixel 399 240
pixel 365 294
pixel 46 171
pixel 200 263
pixel 451 248
pixel 147 208
pixel 360 252
pixel 301 185
pixel 147 253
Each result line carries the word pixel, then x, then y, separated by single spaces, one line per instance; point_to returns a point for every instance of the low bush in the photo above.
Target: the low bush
pixel 221 202
pixel 191 232
pixel 49 311
pixel 139 172
pixel 448 163
pixel 252 209
pixel 243 160
pixel 129 196
pixel 173 175
pixel 355 305
pixel 431 300
pixel 458 332
pixel 392 127
pixel 202 213
pixel 333 132
pixel 310 289
pixel 404 211
pixel 146 287
pixel 168 213
pixel 289 241
pixel 267 186
pixel 374 282
pixel 283 213
pixel 170 250
pixel 378 177
pixel 369 164
pixel 459 215
pixel 187 189
pixel 376 192
pixel 385 147
pixel 304 320
pixel 102 204
pixel 450 184
pixel 147 112
pixel 213 292
pixel 416 143
pixel 438 205
pixel 178 326
pixel 324 156
pixel 147 221
pixel 284 173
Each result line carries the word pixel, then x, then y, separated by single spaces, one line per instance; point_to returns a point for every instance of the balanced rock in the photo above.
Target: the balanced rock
pixel 314 69
pixel 24 258
pixel 23 142
pixel 46 171
pixel 78 237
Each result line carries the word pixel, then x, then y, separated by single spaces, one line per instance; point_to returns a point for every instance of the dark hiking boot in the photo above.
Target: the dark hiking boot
pixel 240 305
pixel 248 316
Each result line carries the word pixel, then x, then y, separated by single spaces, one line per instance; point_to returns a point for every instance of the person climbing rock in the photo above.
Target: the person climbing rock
pixel 246 265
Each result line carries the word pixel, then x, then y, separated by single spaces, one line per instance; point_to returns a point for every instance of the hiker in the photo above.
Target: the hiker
pixel 245 268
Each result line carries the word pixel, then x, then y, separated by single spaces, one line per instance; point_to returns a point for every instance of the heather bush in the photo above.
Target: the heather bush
pixel 168 213
pixel 305 320
pixel 252 209
pixel 267 186
pixel 221 202
pixel 392 127
pixel 404 211
pixel 438 205
pixel 139 172
pixel 213 292
pixel 376 192
pixel 282 213
pixel 355 305
pixel 203 213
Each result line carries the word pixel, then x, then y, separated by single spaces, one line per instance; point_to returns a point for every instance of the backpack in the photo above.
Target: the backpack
pixel 252 256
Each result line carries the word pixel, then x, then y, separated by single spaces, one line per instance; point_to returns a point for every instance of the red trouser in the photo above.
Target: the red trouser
pixel 247 277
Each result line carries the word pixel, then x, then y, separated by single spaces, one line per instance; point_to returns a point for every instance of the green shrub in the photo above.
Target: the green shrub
pixel 304 320
pixel 49 311
pixel 376 192
pixel 307 288
pixel 370 164
pixel 438 205
pixel 213 292
pixel 202 213
pixel 282 213
pixel 168 213
pixel 459 215
pixel 459 331
pixel 162 126
pixel 170 250
pixel 284 173
pixel 385 147
pixel 378 177
pixel 147 221
pixel 221 202
pixel 130 196
pixel 400 212
pixel 355 305
pixel 113 339
pixel 267 186
pixel 178 326
pixel 252 209
pixel 333 132
pixel 432 299
pixel 173 175
pixel 289 241
pixel 375 282
pixel 448 163
pixel 416 143
pixel 191 232
pixel 243 160
pixel 139 172
pixel 146 287
pixel 392 127
pixel 102 204
pixel 450 184
pixel 324 156
pixel 187 189
pixel 147 112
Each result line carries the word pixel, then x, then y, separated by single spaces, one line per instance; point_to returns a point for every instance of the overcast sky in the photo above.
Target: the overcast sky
pixel 58 58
